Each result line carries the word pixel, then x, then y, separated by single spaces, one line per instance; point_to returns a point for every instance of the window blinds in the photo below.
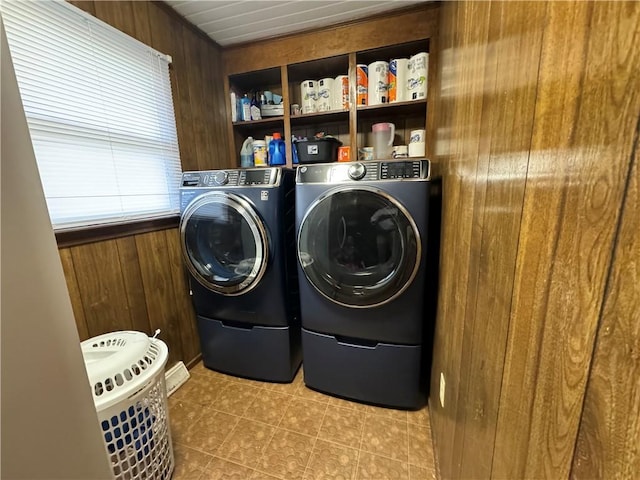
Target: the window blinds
pixel 100 113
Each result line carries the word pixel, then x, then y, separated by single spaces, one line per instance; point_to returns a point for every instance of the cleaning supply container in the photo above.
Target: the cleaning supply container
pixel 246 153
pixel 260 154
pixel 277 150
pixel 126 373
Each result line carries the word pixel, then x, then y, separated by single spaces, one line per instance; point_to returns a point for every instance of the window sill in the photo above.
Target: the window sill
pixel 79 236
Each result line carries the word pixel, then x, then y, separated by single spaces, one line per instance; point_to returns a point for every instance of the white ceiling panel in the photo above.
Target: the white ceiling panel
pixel 230 23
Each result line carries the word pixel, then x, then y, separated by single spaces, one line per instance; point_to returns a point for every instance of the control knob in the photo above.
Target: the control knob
pixel 221 178
pixel 357 171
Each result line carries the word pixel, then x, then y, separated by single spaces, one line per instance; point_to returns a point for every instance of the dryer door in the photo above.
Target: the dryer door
pixel 224 243
pixel 359 247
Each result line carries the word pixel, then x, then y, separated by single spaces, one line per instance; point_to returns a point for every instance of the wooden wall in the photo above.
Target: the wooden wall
pixel 137 281
pixel 538 332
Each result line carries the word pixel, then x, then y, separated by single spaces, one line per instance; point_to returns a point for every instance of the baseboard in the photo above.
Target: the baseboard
pixel 175 377
pixel 194 361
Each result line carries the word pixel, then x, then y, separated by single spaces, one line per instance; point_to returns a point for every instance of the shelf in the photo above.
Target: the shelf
pixel 264 122
pixel 245 82
pixel 398 108
pixel 320 117
pixel 317 69
pixel 393 51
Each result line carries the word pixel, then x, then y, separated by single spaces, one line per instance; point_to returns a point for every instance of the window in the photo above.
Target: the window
pixel 100 113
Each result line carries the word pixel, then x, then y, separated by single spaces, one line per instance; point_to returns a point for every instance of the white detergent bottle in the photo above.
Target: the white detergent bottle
pixel 246 153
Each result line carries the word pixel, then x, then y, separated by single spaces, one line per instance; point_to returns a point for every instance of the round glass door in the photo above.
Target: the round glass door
pixel 359 247
pixel 224 243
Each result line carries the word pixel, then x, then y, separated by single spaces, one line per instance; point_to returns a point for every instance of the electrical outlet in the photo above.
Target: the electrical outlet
pixel 442 388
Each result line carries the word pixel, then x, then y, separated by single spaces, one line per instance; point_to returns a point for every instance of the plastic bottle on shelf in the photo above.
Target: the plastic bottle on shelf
pixel 255 109
pixel 246 108
pixel 246 153
pixel 294 150
pixel 277 149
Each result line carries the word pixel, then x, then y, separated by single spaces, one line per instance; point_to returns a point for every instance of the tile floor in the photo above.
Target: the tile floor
pixel 225 427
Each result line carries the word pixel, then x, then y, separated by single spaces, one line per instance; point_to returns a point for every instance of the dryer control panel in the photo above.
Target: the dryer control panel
pixel 392 170
pixel 232 178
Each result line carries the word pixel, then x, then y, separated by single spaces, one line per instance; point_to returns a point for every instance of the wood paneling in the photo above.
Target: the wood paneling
pixel 327 42
pixel 134 289
pixel 609 432
pixel 188 332
pixel 136 282
pixel 74 293
pixel 102 289
pixel 155 269
pixel 537 114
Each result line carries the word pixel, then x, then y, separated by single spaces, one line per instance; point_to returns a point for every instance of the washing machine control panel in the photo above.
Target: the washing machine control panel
pixel 232 178
pixel 364 171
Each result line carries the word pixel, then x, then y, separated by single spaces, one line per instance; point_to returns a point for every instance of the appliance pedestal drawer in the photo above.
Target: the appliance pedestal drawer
pixel 261 353
pixel 384 374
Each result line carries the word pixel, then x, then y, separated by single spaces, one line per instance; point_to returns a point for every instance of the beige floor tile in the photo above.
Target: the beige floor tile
pixel 189 463
pixel 343 426
pixel 344 403
pixel 419 417
pixel 257 475
pixel 209 432
pixel 303 416
pixel 420 446
pixel 268 407
pixel 220 469
pixel 224 427
pixel 246 443
pixel 287 455
pixel 391 413
pixel 375 467
pixel 182 414
pixel 201 389
pixel 235 399
pixel 419 473
pixel 288 388
pixel 386 437
pixel 309 394
pixel 331 461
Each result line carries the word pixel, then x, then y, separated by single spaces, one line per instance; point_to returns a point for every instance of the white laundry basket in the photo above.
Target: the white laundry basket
pixel 126 371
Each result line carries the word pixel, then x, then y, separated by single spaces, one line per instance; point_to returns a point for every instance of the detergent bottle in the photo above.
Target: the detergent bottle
pixel 277 150
pixel 246 153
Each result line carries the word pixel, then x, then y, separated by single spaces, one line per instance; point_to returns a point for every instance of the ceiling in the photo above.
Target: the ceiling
pixel 233 22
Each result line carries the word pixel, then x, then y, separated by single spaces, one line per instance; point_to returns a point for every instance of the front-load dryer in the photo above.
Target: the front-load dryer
pixel 361 244
pixel 238 244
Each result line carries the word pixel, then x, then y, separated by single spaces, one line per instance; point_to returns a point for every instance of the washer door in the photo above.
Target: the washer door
pixel 359 247
pixel 224 243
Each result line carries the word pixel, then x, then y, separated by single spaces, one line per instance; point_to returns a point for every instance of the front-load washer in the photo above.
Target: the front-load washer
pixel 238 244
pixel 361 244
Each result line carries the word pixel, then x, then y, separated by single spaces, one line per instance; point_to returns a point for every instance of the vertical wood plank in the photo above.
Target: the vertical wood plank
pixel 580 149
pixel 197 105
pixel 141 25
pixel 102 289
pixel 118 14
pixel 185 311
pixel 188 146
pixel 74 293
pixel 500 181
pixel 159 294
pixel 86 5
pixel 166 36
pixel 466 33
pixel 130 267
pixel 609 432
pixel 221 111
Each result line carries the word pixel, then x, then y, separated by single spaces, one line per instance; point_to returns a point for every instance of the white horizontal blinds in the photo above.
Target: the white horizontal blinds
pixel 100 114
